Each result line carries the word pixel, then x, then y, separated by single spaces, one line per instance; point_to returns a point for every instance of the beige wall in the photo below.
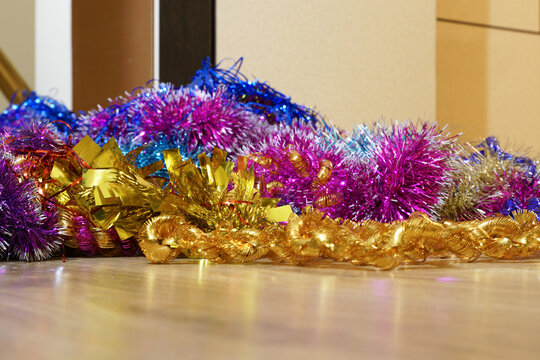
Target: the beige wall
pixel 355 60
pixel 513 14
pixel 488 69
pixel 17 38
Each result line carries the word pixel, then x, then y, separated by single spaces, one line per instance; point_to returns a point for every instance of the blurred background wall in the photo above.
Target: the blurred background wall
pixel 356 61
pixel 17 38
pixel 488 69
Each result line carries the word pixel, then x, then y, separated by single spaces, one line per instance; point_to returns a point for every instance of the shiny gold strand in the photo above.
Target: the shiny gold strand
pixel 107 189
pixel 302 168
pixel 68 232
pixel 312 236
pixel 299 164
pixel 325 171
pixel 203 197
pixel 274 186
pixel 66 229
pixel 328 200
pixel 213 231
pixel 264 161
pixel 202 218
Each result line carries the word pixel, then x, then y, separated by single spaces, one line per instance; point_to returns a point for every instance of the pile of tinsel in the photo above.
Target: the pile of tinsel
pixel 231 170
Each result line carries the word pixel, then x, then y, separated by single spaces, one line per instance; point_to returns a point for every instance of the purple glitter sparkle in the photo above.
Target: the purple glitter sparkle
pixel 27 232
pixel 293 187
pixel 409 168
pixel 203 119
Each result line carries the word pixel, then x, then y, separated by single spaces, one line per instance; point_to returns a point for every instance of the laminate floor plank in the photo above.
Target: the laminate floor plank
pixel 115 308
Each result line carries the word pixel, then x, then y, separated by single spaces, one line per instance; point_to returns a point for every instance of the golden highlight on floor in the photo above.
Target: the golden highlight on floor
pixel 115 308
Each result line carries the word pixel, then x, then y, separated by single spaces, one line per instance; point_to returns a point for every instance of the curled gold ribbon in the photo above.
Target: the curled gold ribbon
pixel 219 214
pixel 319 176
pixel 105 188
pixel 312 236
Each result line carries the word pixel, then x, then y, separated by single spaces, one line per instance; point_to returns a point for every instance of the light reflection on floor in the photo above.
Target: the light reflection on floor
pixel 91 308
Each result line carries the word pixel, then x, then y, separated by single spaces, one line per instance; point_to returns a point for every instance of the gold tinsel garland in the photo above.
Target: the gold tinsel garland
pixel 215 212
pixel 312 236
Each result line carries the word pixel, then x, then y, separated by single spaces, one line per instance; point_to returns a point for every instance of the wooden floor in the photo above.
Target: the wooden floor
pixel 114 308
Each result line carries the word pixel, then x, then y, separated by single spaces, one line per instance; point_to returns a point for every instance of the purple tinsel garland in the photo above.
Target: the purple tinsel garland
pixel 193 121
pixel 296 181
pixel 512 184
pixel 27 231
pixel 409 168
pixel 379 173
